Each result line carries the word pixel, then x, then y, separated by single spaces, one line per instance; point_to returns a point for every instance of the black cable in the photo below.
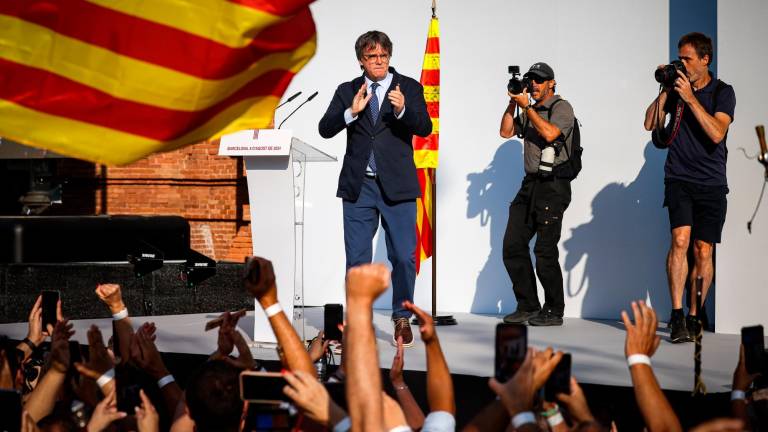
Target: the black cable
pixel 759 200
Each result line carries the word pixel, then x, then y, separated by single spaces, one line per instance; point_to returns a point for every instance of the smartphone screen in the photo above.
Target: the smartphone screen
pixel 511 347
pixel 267 418
pixel 333 316
pixel 128 398
pixel 754 348
pixel 50 298
pixel 10 401
pixel 560 379
pixel 262 387
pixel 75 356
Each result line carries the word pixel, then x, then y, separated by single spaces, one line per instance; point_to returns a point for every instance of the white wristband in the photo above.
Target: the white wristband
pixel 106 378
pixel 273 310
pixel 523 418
pixel 164 381
pixel 555 419
pixel 343 426
pixel 738 395
pixel 120 315
pixel 638 359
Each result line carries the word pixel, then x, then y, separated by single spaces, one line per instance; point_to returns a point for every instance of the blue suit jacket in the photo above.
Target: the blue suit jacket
pixel 390 139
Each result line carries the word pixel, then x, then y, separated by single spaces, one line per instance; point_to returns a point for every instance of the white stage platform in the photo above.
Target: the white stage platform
pixel 597 346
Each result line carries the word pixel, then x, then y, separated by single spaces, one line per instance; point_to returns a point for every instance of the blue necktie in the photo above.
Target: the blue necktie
pixel 373 105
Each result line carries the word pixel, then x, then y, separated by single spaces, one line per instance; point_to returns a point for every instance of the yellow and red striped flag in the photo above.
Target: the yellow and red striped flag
pixel 425 149
pixel 114 81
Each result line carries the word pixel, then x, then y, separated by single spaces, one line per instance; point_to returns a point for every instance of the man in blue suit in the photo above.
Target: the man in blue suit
pixel 381 111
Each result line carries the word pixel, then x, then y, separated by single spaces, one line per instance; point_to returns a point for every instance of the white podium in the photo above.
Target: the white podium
pixel 276 166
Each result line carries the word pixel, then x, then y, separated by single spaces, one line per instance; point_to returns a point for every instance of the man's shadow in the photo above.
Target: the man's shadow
pixel 624 245
pixel 489 194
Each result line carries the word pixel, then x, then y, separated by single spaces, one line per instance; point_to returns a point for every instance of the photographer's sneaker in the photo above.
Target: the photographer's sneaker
pixel 519 317
pixel 546 318
pixel 678 331
pixel 402 329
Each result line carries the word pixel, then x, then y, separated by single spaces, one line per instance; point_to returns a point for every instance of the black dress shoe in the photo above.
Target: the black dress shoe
pixel 520 317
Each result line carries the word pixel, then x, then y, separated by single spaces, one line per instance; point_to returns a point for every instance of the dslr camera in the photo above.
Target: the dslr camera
pixel 667 75
pixel 517 84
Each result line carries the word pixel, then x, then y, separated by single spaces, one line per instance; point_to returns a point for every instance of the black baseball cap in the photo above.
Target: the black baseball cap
pixel 541 70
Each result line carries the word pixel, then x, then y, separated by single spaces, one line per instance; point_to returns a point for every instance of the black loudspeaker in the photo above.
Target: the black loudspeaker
pixel 197 268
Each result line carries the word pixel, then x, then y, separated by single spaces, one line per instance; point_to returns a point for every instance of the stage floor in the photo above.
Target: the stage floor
pixel 597 346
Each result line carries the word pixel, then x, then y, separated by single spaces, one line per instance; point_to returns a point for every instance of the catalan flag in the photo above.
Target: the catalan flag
pixel 112 81
pixel 425 149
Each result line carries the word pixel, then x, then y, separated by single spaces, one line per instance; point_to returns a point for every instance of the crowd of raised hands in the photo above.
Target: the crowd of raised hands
pixel 124 384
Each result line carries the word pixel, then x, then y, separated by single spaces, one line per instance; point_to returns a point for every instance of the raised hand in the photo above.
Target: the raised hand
pixel 147 418
pixel 683 87
pixel 360 101
pixel 397 99
pixel 105 413
pixel 398 362
pixel 144 352
pixel 544 363
pixel 35 327
pixel 318 347
pixel 517 393
pixel 576 403
pixel 60 345
pixel 259 281
pixel 641 336
pixel 99 360
pixel 111 296
pixel 426 323
pixel 366 282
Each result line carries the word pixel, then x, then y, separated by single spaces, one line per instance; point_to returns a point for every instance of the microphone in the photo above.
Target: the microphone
pixel 297 108
pixel 288 100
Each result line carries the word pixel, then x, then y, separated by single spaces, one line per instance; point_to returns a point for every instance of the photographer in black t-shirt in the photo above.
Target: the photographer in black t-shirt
pixel 701 108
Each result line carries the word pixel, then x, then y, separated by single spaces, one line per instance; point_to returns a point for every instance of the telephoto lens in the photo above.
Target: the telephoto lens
pixel 547 161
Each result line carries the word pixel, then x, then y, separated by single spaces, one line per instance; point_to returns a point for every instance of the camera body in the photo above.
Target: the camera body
pixel 516 85
pixel 668 74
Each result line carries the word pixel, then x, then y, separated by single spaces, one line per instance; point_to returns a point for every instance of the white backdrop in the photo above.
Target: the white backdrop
pixel 615 233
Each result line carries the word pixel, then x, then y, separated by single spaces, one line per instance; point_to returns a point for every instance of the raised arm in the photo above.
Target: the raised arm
pixel 259 281
pixel 641 343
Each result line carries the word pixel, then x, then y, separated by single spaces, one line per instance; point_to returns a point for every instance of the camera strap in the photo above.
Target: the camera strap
pixel 659 136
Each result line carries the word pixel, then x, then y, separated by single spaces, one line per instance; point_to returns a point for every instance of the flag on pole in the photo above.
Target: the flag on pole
pixel 114 81
pixel 425 149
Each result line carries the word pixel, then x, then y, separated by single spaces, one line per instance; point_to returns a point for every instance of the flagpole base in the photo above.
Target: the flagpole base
pixel 439 320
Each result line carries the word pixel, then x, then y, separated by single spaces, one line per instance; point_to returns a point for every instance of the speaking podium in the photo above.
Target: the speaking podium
pixel 276 167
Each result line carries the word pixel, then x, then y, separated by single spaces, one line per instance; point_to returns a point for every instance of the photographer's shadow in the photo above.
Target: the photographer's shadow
pixel 624 245
pixel 489 194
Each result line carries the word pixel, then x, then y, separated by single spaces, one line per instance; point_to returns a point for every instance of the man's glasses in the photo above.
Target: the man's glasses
pixel 538 80
pixel 374 57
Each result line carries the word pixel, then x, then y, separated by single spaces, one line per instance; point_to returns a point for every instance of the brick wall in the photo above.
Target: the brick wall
pixel 210 191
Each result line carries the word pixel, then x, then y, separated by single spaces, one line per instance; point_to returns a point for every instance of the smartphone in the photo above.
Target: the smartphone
pixel 50 299
pixel 115 340
pixel 262 387
pixel 75 356
pixel 10 400
pixel 267 418
pixel 754 348
pixel 333 315
pixel 560 379
pixel 511 347
pixel 337 393
pixel 128 398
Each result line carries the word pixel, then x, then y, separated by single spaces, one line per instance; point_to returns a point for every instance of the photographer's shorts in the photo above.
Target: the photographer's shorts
pixel 699 206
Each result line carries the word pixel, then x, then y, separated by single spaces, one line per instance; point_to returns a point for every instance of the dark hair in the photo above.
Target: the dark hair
pixel 700 42
pixel 369 40
pixel 213 397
